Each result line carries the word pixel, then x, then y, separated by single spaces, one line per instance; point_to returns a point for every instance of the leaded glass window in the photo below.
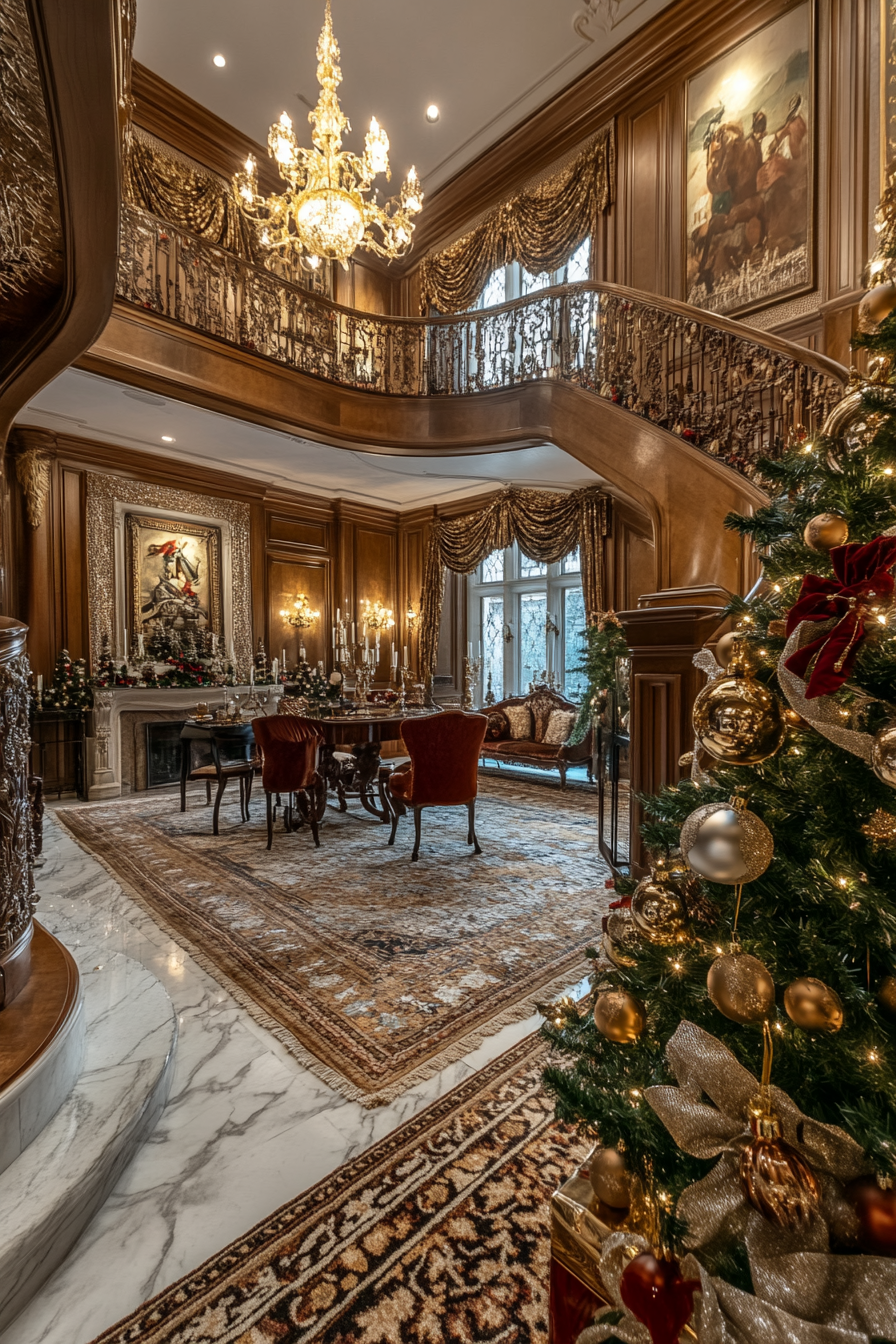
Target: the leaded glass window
pixel 572 563
pixel 579 265
pixel 493 644
pixel 574 682
pixel 531 569
pixel 495 289
pixel 493 567
pixel 533 637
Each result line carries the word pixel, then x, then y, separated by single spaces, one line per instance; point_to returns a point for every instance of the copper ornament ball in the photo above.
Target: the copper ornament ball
pixel 886 995
pixel 610 1178
pixel 741 988
pixel 739 721
pixel 733 646
pixel 825 531
pixel 659 912
pixel 883 755
pixel 619 1016
pixel 775 1178
pixel 875 1209
pixel 877 304
pixel 726 844
pixel 813 1005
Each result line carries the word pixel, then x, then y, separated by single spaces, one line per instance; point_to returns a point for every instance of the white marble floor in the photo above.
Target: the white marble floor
pixel 245 1129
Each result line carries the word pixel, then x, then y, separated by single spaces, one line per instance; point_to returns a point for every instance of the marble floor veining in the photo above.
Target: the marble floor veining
pixel 246 1127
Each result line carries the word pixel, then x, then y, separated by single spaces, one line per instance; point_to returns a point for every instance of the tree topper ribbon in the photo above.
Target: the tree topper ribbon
pixel 863 580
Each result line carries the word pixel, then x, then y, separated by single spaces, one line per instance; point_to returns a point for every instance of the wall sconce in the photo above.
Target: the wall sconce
pixel 302 617
pixel 412 618
pixel 377 617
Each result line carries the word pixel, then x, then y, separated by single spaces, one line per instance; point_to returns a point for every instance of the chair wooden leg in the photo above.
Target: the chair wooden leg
pixel 250 775
pixel 562 767
pixel 208 793
pixel 312 822
pixel 270 802
pixel 222 785
pixel 418 812
pixel 471 833
pixel 395 814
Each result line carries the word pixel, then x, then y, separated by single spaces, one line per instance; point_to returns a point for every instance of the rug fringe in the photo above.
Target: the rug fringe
pixel 340 1084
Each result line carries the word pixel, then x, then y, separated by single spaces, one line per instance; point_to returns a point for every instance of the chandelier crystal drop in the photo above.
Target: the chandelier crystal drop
pixel 329 208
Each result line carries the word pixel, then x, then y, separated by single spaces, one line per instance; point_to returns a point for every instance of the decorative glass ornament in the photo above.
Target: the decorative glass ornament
pixel 813 1005
pixel 658 1295
pixel 738 720
pixel 610 1178
pixel 726 843
pixel 883 755
pixel 777 1181
pixel 619 1016
pixel 741 987
pixel 825 531
pixel 658 910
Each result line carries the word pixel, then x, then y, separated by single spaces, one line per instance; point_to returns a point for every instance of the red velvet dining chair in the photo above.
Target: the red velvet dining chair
pixel 443 770
pixel 289 747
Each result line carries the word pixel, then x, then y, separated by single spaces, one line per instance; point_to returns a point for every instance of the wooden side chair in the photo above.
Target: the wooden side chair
pixel 232 747
pixel 442 772
pixel 289 748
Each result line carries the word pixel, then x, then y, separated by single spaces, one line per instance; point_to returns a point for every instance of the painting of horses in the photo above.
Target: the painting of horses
pixel 749 189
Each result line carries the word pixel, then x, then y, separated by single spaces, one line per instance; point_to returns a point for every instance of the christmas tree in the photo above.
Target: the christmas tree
pixel 604 642
pixel 736 1058
pixel 70 691
pixel 313 684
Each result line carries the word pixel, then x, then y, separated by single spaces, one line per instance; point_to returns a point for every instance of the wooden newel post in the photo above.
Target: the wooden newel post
pixel 17 894
pixel 664 684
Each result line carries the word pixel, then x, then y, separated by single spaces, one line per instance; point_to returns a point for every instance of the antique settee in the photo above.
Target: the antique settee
pixel 534 729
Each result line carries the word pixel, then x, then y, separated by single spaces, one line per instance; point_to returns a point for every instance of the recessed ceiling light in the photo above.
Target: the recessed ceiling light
pixel 166 438
pixel 219 61
pixel 432 113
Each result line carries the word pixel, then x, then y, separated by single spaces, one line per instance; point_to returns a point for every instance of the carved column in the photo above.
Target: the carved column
pixel 17 895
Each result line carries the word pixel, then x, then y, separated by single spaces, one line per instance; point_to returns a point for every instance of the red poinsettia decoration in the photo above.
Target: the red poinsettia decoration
pixel 862 581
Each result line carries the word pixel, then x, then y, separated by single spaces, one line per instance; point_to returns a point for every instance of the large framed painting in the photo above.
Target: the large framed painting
pixel 887 88
pixel 173 576
pixel 749 188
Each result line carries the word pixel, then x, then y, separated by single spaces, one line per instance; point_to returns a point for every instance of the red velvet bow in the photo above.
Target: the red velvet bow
pixel 863 580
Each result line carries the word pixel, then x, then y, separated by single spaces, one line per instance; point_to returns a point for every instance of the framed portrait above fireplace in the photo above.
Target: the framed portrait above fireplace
pixel 173 575
pixel 749 170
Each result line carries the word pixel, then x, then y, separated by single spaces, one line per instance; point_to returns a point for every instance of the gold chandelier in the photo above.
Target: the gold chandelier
pixel 328 209
pixel 302 618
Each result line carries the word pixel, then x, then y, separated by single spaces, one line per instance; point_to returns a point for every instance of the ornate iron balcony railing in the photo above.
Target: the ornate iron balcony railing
pixel 731 394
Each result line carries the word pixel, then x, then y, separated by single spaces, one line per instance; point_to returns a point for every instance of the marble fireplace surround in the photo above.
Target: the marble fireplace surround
pixel 105 764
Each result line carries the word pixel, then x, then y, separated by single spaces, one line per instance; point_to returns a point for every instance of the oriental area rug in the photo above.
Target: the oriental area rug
pixel 440 1232
pixel 375 972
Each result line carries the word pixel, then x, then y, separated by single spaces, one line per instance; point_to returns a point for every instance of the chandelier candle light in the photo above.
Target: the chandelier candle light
pixel 329 208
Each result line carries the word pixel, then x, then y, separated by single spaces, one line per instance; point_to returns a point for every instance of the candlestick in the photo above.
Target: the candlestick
pixel 283 659
pixel 275 670
pixel 353 631
pixel 251 676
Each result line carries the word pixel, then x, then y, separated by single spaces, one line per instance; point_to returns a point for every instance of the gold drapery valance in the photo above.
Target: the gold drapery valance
pixel 540 227
pixel 548 525
pixel 167 184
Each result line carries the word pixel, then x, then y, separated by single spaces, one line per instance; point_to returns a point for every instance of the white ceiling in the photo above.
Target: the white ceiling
pixel 487 64
pixel 84 405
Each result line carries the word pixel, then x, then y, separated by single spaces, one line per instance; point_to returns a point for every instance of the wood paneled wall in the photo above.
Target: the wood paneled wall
pixel 338 553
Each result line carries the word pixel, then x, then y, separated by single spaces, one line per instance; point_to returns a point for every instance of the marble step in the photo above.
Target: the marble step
pixel 51 1191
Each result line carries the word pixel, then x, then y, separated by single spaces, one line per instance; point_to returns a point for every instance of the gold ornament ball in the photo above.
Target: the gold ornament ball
pixel 813 1005
pixel 883 755
pixel 658 911
pixel 733 646
pixel 619 1016
pixel 726 844
pixel 741 987
pixel 610 1178
pixel 738 720
pixel 877 304
pixel 825 531
pixel 886 995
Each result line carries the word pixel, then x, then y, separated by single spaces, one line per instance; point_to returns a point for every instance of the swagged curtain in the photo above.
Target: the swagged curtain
pixel 546 524
pixel 168 184
pixel 541 227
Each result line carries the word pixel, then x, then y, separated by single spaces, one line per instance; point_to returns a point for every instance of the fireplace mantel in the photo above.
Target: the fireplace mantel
pixel 104 748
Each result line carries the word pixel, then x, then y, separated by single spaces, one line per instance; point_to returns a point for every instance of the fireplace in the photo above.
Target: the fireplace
pixel 163 752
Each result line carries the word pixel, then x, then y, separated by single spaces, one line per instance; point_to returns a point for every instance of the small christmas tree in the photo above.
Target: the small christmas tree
pixel 737 1061
pixel 313 684
pixel 605 641
pixel 70 692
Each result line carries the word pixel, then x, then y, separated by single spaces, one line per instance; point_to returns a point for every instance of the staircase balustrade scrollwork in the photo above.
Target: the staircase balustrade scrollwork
pixel 701 377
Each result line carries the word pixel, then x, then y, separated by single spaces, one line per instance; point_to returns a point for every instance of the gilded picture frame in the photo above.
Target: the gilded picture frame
pixel 749 174
pixel 887 88
pixel 174 575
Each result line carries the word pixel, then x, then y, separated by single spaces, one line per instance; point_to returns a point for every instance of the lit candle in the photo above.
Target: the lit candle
pixel 353 632
pixel 283 659
pixel 338 616
pixel 251 676
pixel 125 641
pixel 334 636
pixel 275 670
pixel 470 649
pixel 394 658
pixel 405 655
pixel 40 682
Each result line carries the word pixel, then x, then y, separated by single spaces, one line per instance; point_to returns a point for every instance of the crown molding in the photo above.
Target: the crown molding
pixel 674 44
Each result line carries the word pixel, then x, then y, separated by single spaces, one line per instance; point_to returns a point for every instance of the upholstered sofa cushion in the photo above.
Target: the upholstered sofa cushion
pixel 559 726
pixel 519 717
pixel 498 726
pixel 527 748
